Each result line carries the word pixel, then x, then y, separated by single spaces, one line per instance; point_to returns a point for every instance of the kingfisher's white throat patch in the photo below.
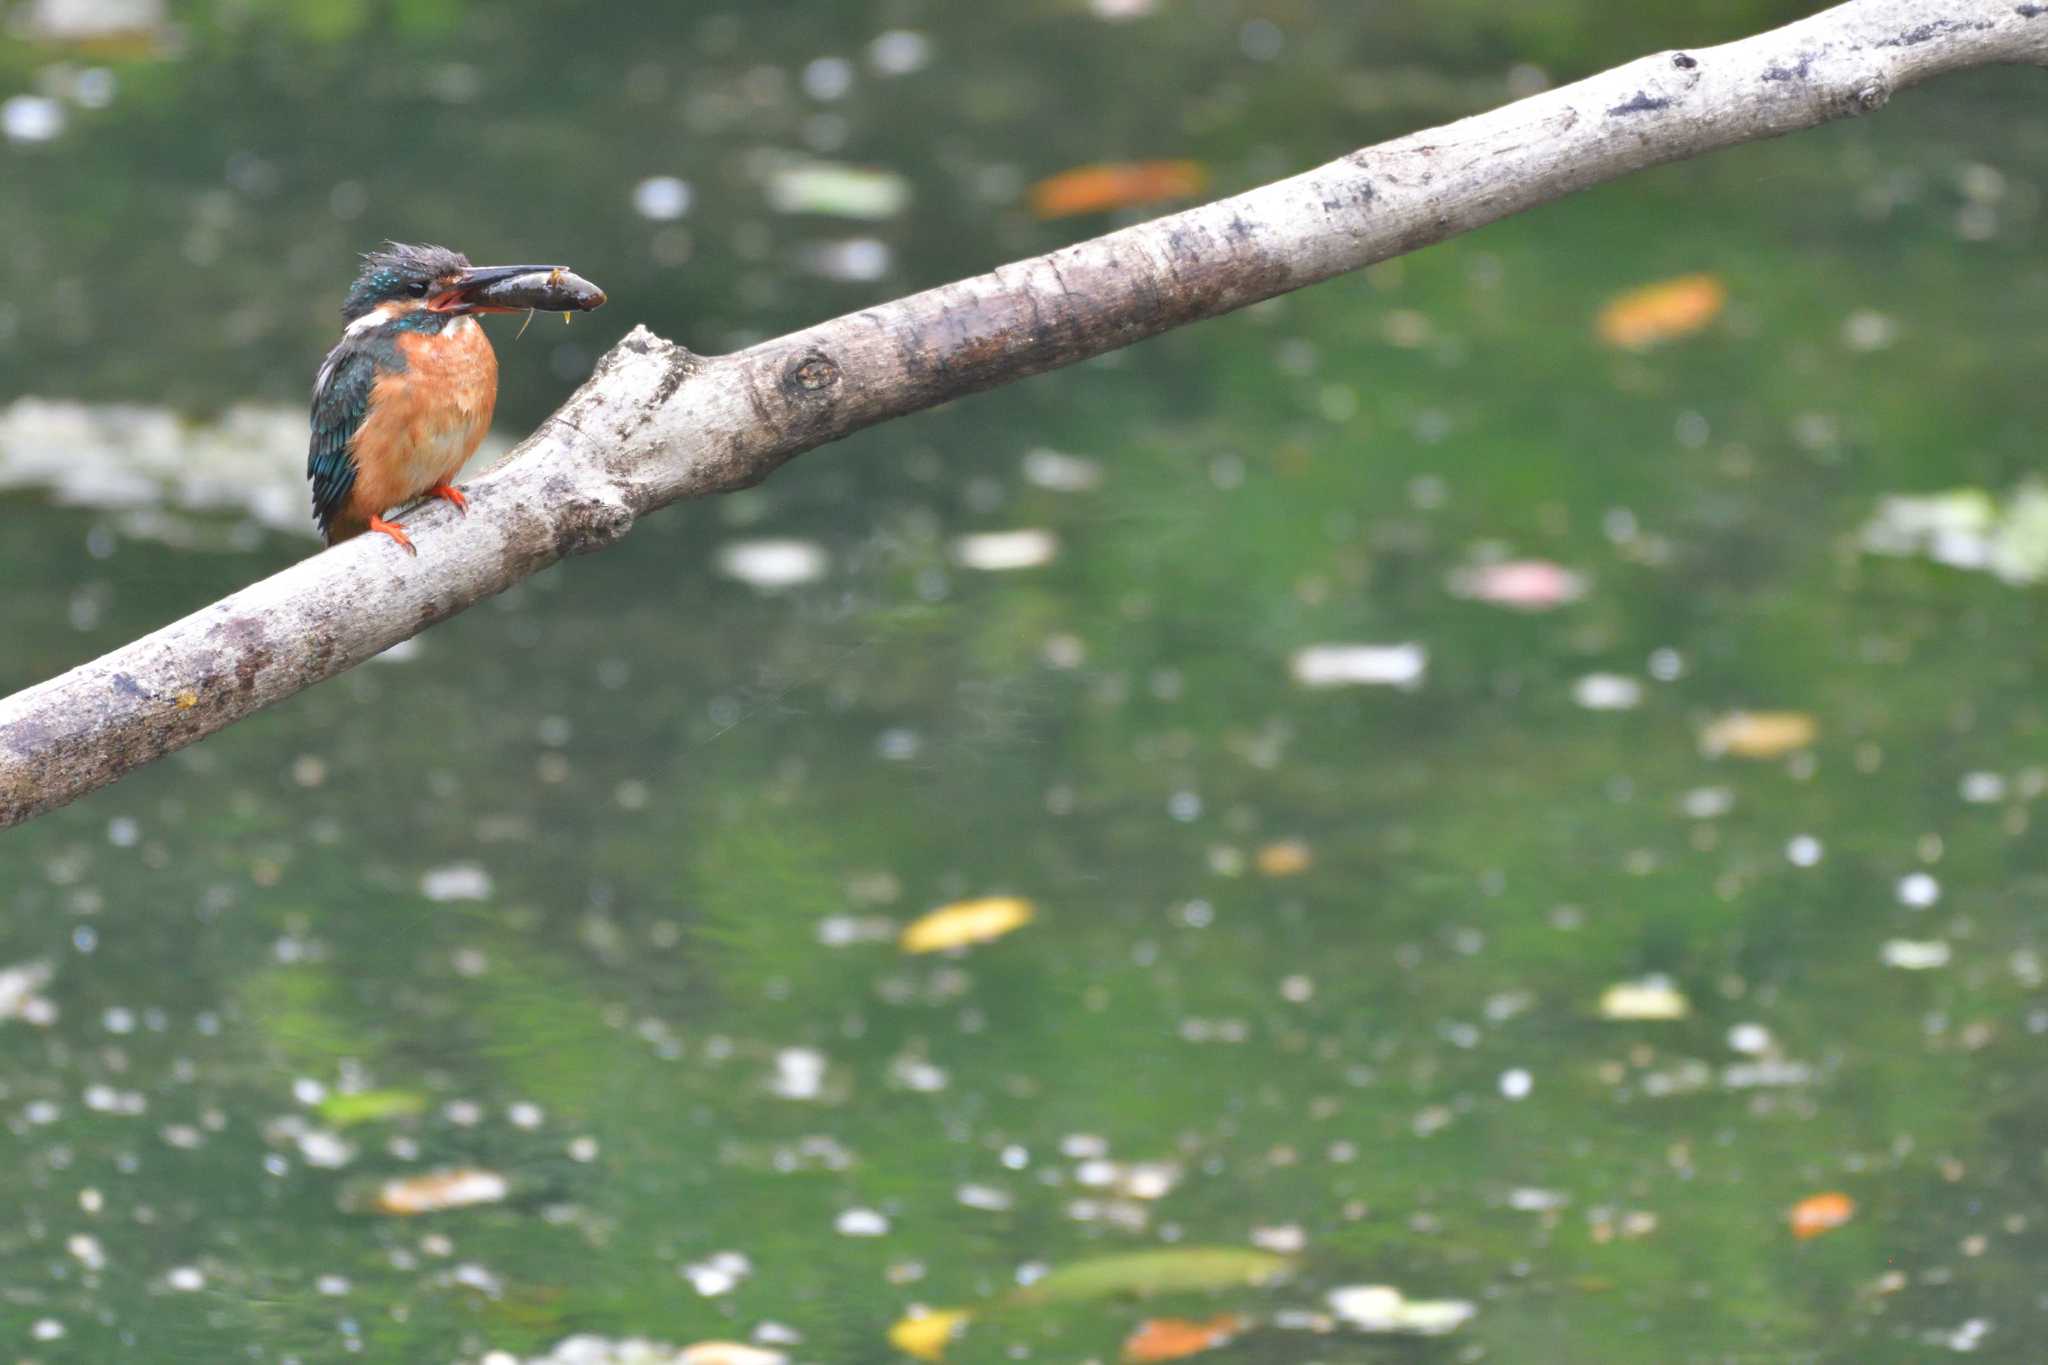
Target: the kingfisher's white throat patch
pixel 371 320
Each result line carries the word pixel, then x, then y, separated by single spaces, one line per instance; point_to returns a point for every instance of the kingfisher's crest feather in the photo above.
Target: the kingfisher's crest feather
pixel 398 270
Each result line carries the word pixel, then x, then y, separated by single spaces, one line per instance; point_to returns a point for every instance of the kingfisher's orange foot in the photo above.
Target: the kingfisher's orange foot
pixel 452 493
pixel 395 531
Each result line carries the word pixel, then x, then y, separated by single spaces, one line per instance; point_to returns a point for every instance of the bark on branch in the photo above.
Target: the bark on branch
pixel 656 424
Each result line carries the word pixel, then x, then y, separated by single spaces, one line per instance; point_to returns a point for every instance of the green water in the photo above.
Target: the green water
pixel 667 799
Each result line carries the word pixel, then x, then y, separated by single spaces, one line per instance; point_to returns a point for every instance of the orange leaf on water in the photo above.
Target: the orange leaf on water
pixel 1172 1338
pixel 1115 185
pixel 1661 312
pixel 1818 1213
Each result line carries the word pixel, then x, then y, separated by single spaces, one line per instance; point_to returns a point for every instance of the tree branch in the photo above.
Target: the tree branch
pixel 656 424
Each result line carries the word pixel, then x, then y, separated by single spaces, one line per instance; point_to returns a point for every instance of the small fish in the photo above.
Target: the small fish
pixel 555 290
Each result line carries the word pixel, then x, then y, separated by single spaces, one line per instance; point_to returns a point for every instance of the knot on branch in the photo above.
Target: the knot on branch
pixel 810 375
pixel 1870 94
pixel 583 522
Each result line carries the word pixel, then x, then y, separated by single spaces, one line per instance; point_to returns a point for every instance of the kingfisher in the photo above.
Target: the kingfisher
pixel 405 397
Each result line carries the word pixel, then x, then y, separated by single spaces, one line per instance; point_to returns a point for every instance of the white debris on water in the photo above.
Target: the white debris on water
pixel 1967 528
pixel 771 565
pixel 1340 665
pixel 1918 890
pixel 158 470
pixel 1383 1308
pixel 1049 469
pixel 1002 551
pixel 662 198
pixel 719 1273
pixel 590 1349
pixel 854 259
pixel 899 52
pixel 860 1223
pixel 1751 1040
pixel 1607 692
pixel 990 1198
pixel 31 118
pixel 20 998
pixel 456 882
pixel 1914 955
pixel 799 1073
pixel 87 21
pixel 1285 1239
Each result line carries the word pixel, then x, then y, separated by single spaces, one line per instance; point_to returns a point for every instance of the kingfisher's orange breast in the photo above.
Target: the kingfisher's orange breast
pixel 426 420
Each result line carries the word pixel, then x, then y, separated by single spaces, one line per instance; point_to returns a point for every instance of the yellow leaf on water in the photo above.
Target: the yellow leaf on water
pixel 926 1335
pixel 964 922
pixel 1653 997
pixel 1661 312
pixel 1285 857
pixel 1759 734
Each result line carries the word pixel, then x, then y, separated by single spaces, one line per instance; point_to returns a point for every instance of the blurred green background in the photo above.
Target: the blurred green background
pixel 596 887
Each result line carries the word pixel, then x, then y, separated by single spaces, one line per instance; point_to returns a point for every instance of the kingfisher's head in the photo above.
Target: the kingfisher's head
pixel 397 279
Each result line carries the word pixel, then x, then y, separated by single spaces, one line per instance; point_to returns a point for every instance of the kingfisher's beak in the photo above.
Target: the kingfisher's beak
pixel 472 292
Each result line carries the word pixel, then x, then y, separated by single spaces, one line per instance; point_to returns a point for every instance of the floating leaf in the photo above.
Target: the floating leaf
pixel 1172 1338
pixel 1115 185
pixel 1759 734
pixel 926 1335
pixel 342 1108
pixel 1171 1270
pixel 1285 858
pixel 1661 312
pixel 434 1191
pixel 1519 584
pixel 965 922
pixel 1818 1213
pixel 836 190
pixel 1653 997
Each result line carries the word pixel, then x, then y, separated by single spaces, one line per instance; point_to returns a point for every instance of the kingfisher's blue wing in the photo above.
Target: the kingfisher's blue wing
pixel 341 400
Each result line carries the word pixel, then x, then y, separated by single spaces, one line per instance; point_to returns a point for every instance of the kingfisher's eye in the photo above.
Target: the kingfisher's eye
pixel 418 289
